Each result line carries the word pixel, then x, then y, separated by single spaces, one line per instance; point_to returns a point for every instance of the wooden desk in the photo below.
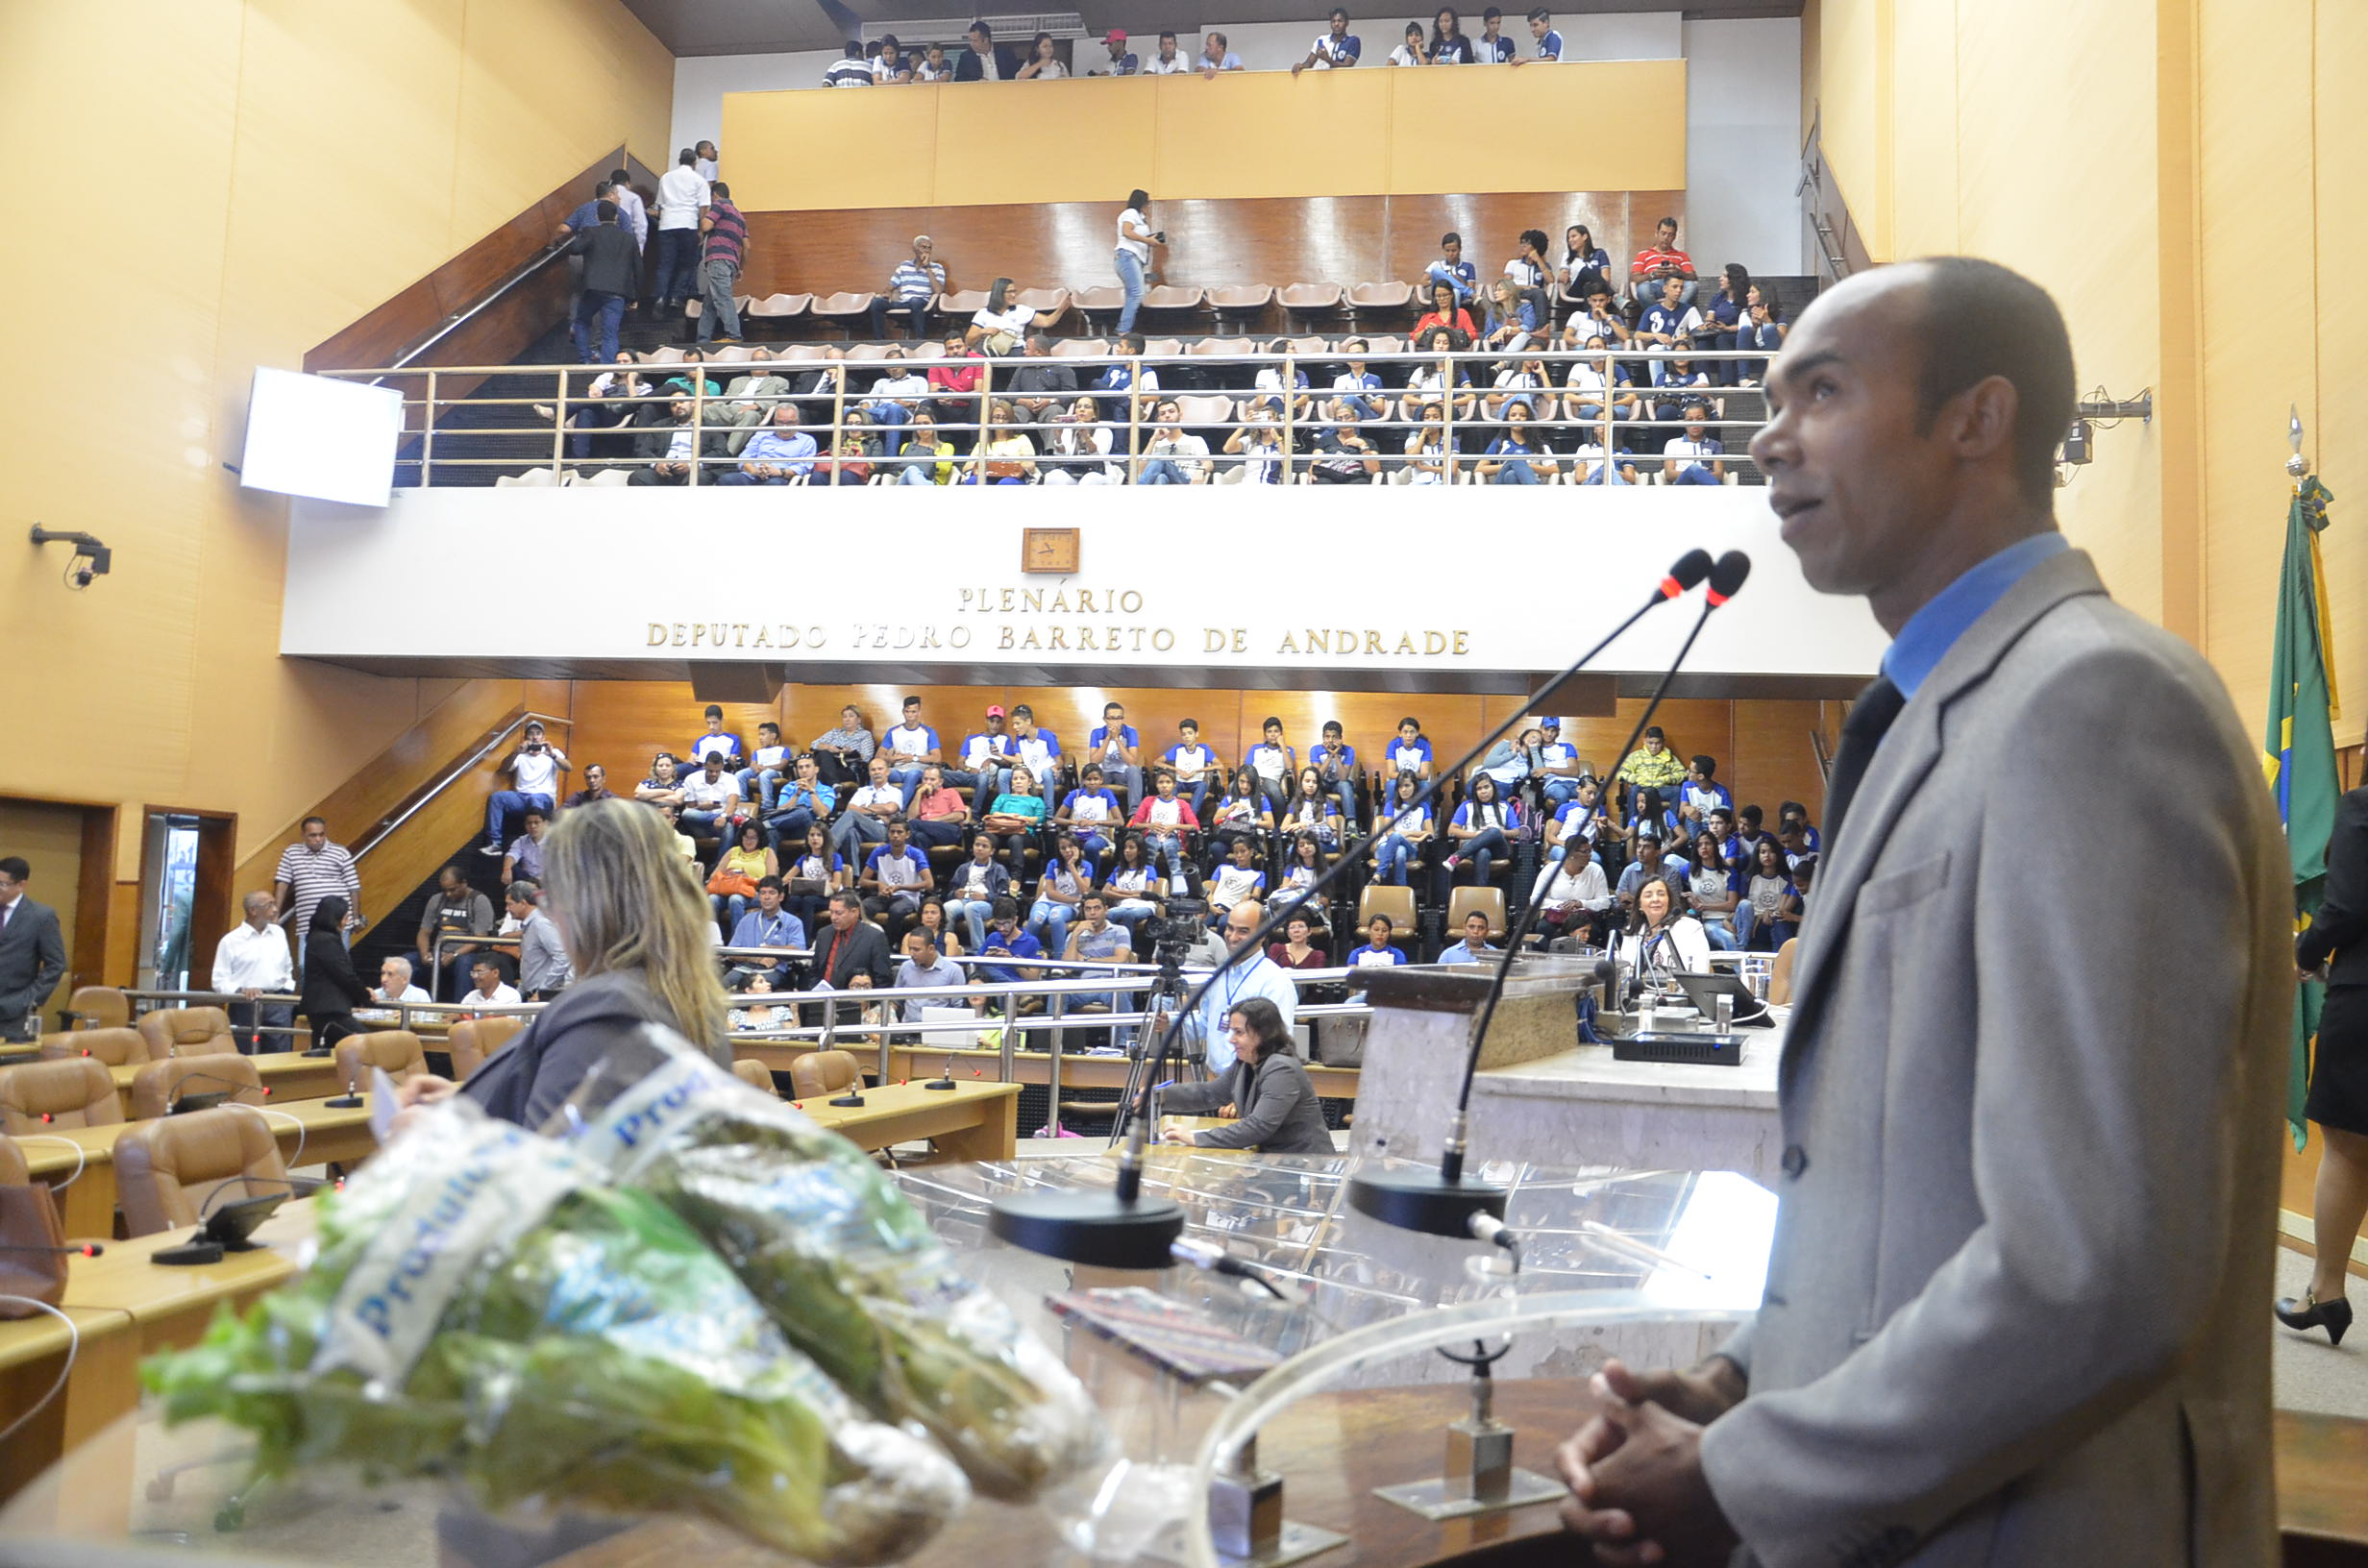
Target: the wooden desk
pixel 969 1122
pixel 330 1135
pixel 169 1305
pixel 289 1075
pixel 103 1386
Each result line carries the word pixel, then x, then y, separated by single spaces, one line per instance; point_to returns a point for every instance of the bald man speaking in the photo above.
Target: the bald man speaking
pixel 2030 1095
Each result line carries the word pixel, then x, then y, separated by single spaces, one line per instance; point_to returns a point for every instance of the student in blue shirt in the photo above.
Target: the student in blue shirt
pixel 1060 892
pixel 1193 765
pixel 716 742
pixel 1578 821
pixel 1481 828
pixel 973 888
pixel 986 757
pixel 1038 748
pixel 1702 793
pixel 801 803
pixel 761 780
pixel 1395 846
pixel 1115 741
pixel 1378 949
pixel 1558 764
pixel 1719 837
pixel 816 868
pixel 1275 762
pixel 1549 45
pixel 1410 752
pixel 1675 379
pixel 1513 458
pixel 1792 827
pixel 1007 941
pixel 1337 50
pixel 1492 47
pixel 1336 763
pixel 1310 811
pixel 1090 813
pixel 894 876
pixel 1452 269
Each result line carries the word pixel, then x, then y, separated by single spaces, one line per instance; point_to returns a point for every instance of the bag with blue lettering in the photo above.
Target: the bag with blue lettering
pixel 845 1266
pixel 483 1307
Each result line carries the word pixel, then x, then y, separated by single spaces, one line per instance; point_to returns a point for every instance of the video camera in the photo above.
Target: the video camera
pixel 1171 937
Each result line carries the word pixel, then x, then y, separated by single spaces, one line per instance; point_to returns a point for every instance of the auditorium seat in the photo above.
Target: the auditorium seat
pixel 756 1075
pixel 1173 298
pixel 820 1073
pixel 100 1007
pixel 1381 898
pixel 116 1048
pixel 844 310
pixel 778 307
pixel 1205 410
pixel 14 1171
pixel 169 1172
pixel 533 479
pixel 1378 299
pixel 1042 299
pixel 800 352
pixel 1779 975
pixel 1489 901
pixel 1066 348
pixel 1163 347
pixel 396 1052
pixel 1104 300
pixel 1239 304
pixel 1302 301
pixel 157 1085
pixel 869 351
pixel 54 1097
pixel 472 1041
pixel 188 1031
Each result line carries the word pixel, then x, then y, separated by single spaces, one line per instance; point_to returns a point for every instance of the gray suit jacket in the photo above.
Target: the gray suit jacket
pixel 2030 1102
pixel 32 960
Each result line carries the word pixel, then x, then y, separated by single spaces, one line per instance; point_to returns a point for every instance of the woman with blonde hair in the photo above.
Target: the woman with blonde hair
pixel 641 938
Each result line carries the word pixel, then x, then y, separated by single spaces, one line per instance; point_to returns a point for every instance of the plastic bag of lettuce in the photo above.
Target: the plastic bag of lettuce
pixel 845 1266
pixel 483 1306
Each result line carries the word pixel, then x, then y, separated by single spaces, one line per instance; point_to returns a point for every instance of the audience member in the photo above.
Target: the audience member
pixel 1573 900
pixel 672 447
pixel 1585 264
pixel 1174 455
pixel 1068 877
pixel 486 985
pixel 1115 741
pixel 810 873
pixel 1241 814
pixel 1578 822
pixel 726 242
pixel 767 765
pixel 1549 42
pixel 926 966
pixel 986 757
pixel 936 813
pixel 1007 940
pixel 1168 63
pixel 1004 455
pixel 1448 45
pixel 1301 872
pixel 1135 238
pixel 1473 947
pixel 681 196
pixel 934 66
pixel 1215 57
pixel 1122 62
pixel 1335 762
pixel 1336 50
pixel 844 754
pixel 710 800
pixel 331 989
pixel 1164 818
pixel 1014 817
pixel 997 327
pixel 1693 458
pixel 1492 47
pixel 533 769
pixel 1037 747
pixel 456 911
pixel 1298 950
pixel 1446 311
pixel 1669 318
pixel 1275 762
pixel 1714 890
pixel 1194 766
pixel 707 160
pixel 767 925
pixel 1770 914
pixel 909 746
pixel 544 967
pixel 851 70
pixel 253 959
pixel 854 947
pixel 740 869
pixel 1410 52
pixel 983 59
pixel 1410 752
pixel 975 887
pixel 523 860
pixel 1762 332
pixel 1096 938
pixel 869 811
pixel 1343 454
pixel 918 279
pixel 1379 951
pixel 395 987
pixel 309 870
pixel 611 273
pixel 1134 885
pixel 1400 829
pixel 1513 457
pixel 1356 387
pixel 1657 263
pixel 632 216
pixel 595 788
pixel 1091 812
pixel 1482 827
pixel 1044 62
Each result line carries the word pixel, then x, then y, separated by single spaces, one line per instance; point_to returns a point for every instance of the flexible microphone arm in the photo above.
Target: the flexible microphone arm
pixel 1690 569
pixel 1726 578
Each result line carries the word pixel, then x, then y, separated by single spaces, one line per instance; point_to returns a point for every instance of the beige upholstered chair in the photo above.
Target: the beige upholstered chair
pixel 167 1171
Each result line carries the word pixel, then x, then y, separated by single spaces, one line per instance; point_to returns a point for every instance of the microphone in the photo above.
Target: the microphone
pixel 1443 1203
pixel 182 1100
pixel 830 1028
pixel 81 1249
pixel 1727 576
pixel 227 1231
pixel 1121 1229
pixel 350 1100
pixel 944 1079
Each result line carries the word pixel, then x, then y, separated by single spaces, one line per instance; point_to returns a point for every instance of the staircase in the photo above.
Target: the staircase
pixel 395 935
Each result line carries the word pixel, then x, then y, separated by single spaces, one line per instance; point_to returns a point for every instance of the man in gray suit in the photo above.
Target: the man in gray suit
pixel 31 952
pixel 2031 1117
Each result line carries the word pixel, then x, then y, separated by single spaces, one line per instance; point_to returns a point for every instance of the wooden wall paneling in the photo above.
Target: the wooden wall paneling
pixel 419 309
pixel 123 933
pixel 1774 758
pixel 215 906
pixel 94 899
pixel 1212 243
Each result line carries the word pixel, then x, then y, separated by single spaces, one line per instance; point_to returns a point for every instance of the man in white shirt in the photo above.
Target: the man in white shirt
pixel 865 821
pixel 682 198
pixel 708 162
pixel 489 991
pixel 1174 455
pixel 1215 57
pixel 394 985
pixel 250 960
pixel 1256 975
pixel 710 800
pixel 534 770
pixel 1168 63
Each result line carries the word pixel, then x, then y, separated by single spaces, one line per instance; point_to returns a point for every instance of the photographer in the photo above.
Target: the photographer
pixel 533 772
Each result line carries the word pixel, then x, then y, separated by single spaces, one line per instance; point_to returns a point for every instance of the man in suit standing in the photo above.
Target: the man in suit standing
pixel 32 953
pixel 2012 1313
pixel 984 59
pixel 850 947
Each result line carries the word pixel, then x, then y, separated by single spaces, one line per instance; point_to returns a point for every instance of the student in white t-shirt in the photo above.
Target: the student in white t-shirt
pixel 1411 52
pixel 1090 813
pixel 1120 748
pixel 1195 765
pixel 1410 752
pixel 1238 881
pixel 1165 816
pixel 1336 50
pixel 1693 458
pixel 1000 326
pixel 910 746
pixel 761 780
pixel 1135 234
pixel 1276 761
pixel 1396 846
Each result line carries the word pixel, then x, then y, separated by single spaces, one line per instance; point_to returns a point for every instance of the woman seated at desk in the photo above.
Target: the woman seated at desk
pixel 1661 938
pixel 1278 1112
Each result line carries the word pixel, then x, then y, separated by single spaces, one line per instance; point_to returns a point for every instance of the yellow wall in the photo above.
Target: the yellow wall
pixel 2167 168
pixel 259 175
pixel 1356 133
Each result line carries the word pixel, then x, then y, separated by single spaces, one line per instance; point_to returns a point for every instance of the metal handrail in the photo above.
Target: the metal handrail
pixel 527 269
pixel 1140 405
pixel 420 797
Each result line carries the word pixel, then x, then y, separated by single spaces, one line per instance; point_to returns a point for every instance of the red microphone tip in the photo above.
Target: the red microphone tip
pixel 1671 588
pixel 90 1251
pixel 44 1115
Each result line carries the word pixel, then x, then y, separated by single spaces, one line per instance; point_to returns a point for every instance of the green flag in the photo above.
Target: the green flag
pixel 2298 754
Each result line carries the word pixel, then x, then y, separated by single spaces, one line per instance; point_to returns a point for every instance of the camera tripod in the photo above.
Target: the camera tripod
pixel 1147 1055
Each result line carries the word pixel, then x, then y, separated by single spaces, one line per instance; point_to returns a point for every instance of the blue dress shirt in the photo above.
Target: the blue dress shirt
pixel 1933 630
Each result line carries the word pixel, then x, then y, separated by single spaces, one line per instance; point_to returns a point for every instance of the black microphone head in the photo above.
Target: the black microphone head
pixel 1690 569
pixel 1727 576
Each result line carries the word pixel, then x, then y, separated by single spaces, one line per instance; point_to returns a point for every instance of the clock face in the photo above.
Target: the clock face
pixel 1049 551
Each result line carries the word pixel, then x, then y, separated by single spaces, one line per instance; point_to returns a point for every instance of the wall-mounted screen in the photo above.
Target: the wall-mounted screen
pixel 309 436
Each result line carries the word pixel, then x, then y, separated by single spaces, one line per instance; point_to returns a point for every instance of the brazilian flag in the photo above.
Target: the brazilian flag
pixel 2297 752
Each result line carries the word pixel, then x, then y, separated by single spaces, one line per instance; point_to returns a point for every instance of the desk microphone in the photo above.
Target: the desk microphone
pixel 350 1100
pixel 944 1079
pixel 1443 1203
pixel 1121 1229
pixel 182 1100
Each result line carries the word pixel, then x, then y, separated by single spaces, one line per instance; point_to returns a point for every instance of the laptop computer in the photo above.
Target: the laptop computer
pixel 1750 1012
pixel 948 1028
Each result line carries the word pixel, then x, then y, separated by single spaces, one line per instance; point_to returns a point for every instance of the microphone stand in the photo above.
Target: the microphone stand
pixel 1120 1229
pixel 1444 1203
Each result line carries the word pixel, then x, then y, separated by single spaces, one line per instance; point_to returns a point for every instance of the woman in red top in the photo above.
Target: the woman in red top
pixel 1445 312
pixel 1300 951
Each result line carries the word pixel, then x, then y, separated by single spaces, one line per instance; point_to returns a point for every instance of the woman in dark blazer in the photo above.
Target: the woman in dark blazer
pixel 2337 942
pixel 332 990
pixel 1275 1104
